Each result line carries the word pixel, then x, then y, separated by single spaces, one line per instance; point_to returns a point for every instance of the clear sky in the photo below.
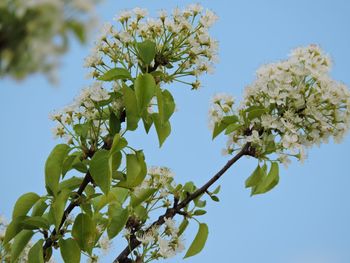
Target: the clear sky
pixel 304 220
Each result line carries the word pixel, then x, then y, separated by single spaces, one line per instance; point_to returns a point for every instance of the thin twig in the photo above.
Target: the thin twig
pixel 171 212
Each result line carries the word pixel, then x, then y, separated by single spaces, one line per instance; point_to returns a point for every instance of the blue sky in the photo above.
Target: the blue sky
pixel 304 220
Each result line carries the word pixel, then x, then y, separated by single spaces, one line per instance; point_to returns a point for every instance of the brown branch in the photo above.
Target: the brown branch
pixel 171 212
pixel 50 240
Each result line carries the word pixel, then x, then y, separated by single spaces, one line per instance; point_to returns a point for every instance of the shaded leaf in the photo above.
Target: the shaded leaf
pixel 70 250
pixel 118 218
pixel 35 254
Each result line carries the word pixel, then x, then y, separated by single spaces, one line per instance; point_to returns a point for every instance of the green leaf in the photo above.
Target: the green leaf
pixel 217 190
pixel 84 232
pixel 114 124
pixel 70 250
pixel 183 226
pixel 141 196
pixel 255 112
pixel 24 204
pixel 130 102
pixel 269 181
pixel 230 119
pixel 136 170
pixel 199 212
pixel 35 222
pixel 214 198
pixel 58 205
pixel 19 243
pixel 163 129
pixel 99 170
pixel 219 127
pixel 147 121
pixel 118 218
pixel 82 129
pixel 78 29
pixel 199 241
pixel 115 74
pixel 255 178
pixel 145 88
pixel 141 213
pixel 13 228
pixel 116 194
pixel 231 128
pixel 166 104
pixel 39 208
pixel 35 254
pixel 71 183
pixel 53 167
pixel 146 51
pixel 118 144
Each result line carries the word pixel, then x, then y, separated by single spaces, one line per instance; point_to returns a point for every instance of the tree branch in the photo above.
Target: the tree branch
pixel 171 212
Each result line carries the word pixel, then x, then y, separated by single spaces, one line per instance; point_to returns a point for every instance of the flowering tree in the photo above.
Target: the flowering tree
pixel 291 106
pixel 26 24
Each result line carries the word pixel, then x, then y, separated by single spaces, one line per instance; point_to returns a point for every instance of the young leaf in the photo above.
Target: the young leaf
pixel 58 205
pixel 35 254
pixel 39 208
pixel 255 112
pixel 163 129
pixel 146 51
pixel 141 196
pixel 199 241
pixel 219 128
pixel 99 170
pixel 24 204
pixel 118 144
pixel 35 222
pixel 199 212
pixel 114 124
pixel 115 73
pixel 231 128
pixel 183 226
pixel 130 102
pixel 13 228
pixel 53 167
pixel 166 104
pixel 118 218
pixel 70 250
pixel 255 178
pixel 19 243
pixel 145 88
pixel 70 184
pixel 136 170
pixel 230 119
pixel 84 232
pixel 269 181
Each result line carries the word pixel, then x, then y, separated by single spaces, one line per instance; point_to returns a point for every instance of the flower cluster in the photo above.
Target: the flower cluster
pixel 84 122
pixel 182 44
pixel 157 241
pixel 161 242
pixel 292 105
pixel 33 33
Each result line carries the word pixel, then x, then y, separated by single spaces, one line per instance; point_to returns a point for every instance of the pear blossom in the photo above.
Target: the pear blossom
pixel 291 106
